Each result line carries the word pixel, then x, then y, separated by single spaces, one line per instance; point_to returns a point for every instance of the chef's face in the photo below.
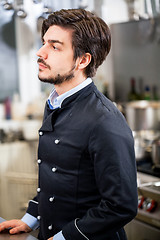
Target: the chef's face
pixel 56 63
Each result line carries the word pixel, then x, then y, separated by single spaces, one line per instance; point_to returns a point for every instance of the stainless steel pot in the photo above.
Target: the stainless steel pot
pixel 143 141
pixel 143 115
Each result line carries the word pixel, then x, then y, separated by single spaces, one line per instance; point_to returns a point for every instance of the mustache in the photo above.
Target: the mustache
pixel 40 60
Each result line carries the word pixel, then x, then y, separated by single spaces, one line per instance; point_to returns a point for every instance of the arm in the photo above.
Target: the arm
pixel 16 226
pixel 111 148
pixel 26 224
pixel 31 221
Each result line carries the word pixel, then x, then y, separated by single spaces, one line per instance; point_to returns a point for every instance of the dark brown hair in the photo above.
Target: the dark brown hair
pixel 90 34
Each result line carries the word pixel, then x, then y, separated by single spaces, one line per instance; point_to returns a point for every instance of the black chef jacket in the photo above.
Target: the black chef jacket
pixel 87 171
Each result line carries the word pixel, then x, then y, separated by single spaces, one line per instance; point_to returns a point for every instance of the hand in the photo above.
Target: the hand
pixel 16 226
pixel 50 238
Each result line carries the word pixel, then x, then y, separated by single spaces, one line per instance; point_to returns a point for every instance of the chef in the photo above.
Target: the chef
pixel 87 172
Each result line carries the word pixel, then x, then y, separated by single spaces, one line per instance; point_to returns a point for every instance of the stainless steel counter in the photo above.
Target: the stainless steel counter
pixel 22 236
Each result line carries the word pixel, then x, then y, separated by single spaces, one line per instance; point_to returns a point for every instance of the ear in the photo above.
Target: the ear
pixel 84 60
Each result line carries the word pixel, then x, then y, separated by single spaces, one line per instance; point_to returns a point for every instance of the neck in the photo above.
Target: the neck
pixel 68 85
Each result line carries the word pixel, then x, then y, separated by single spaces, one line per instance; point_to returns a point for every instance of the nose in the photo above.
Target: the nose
pixel 42 52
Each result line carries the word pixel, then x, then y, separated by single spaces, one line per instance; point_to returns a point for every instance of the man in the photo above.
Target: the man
pixel 87 174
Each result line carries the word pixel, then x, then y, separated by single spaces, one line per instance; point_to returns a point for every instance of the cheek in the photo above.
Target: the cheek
pixel 61 64
pixel 61 61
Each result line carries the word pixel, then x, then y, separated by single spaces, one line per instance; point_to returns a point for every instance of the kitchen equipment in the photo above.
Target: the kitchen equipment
pixel 143 115
pixel 156 152
pixel 146 225
pixel 139 146
pixel 143 141
pixel 149 203
pixel 47 9
pixel 7 5
pixel 20 9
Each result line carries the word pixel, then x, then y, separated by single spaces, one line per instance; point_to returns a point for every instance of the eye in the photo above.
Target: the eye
pixel 54 47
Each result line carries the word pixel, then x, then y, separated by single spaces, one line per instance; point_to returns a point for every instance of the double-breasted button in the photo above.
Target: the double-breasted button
pixel 38 217
pixel 57 141
pixel 50 227
pixel 39 161
pixel 51 199
pixel 40 133
pixel 38 189
pixel 54 169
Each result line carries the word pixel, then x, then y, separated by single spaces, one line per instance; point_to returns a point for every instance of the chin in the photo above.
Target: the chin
pixel 46 80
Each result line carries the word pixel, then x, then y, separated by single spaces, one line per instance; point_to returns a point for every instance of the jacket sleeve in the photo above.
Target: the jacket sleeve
pixel 33 207
pixel 111 148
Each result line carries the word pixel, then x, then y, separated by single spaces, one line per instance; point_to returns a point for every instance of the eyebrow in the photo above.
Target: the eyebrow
pixel 54 41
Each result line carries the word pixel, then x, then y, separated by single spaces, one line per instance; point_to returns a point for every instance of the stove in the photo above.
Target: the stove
pixel 146 224
pixel 149 203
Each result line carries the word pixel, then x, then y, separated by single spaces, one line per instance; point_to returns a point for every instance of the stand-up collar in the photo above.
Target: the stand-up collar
pixel 55 100
pixel 67 103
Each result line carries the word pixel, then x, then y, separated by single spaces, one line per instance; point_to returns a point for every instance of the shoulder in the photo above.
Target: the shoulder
pixel 106 116
pixel 96 104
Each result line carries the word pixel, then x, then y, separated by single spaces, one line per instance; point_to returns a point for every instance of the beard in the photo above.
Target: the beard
pixel 59 79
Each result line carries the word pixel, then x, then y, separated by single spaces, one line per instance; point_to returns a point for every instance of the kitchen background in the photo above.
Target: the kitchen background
pixel 130 77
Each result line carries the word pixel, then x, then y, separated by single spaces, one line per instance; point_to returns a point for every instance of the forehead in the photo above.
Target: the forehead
pixel 58 33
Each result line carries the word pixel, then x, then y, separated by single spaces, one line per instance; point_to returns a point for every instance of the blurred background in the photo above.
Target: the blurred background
pixel 130 77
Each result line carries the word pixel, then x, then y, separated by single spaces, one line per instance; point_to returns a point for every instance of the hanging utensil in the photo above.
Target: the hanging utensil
pixel 47 9
pixel 20 9
pixel 7 5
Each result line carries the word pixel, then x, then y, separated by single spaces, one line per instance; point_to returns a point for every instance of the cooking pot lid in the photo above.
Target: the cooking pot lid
pixel 143 104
